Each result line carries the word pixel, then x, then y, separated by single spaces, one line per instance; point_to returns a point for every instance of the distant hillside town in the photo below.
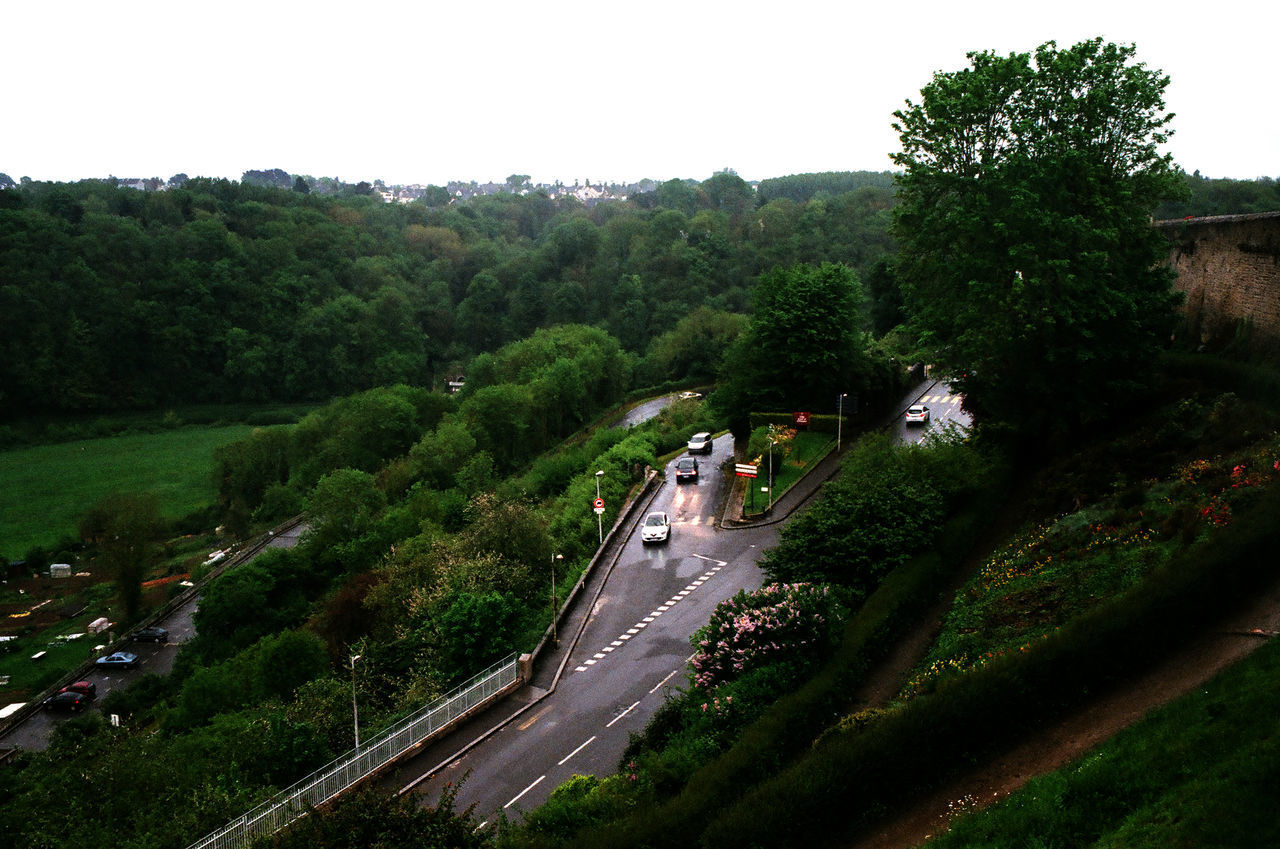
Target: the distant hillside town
pixel 587 192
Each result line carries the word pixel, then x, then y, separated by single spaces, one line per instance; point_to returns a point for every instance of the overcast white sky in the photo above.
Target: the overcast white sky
pixel 431 91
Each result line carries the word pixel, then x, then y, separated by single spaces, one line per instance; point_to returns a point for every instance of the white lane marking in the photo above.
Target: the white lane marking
pixel 663 681
pixel 619 716
pixel 575 751
pixel 654 614
pixel 524 791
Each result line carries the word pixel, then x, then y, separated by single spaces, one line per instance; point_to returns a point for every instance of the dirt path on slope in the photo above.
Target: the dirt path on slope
pixel 1185 669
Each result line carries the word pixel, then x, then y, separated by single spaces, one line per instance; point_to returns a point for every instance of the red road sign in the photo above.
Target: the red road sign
pixel 744 470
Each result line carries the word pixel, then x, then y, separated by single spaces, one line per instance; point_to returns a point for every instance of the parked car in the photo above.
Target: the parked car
pixel 700 443
pixel 917 414
pixel 154 634
pixel 121 659
pixel 68 700
pixel 656 528
pixel 84 688
pixel 686 469
pixel 690 396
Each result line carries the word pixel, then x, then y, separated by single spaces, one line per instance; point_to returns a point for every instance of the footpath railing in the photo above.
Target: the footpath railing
pixel 327 782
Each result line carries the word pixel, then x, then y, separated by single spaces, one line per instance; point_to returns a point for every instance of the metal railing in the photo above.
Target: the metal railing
pixel 348 770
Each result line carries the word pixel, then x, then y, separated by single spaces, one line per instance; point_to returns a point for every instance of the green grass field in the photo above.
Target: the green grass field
pixel 44 490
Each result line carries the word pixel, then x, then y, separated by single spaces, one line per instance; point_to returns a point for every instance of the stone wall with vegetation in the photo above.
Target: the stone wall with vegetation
pixel 1229 268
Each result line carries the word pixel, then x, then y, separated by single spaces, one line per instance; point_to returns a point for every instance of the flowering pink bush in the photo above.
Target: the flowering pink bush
pixel 777 622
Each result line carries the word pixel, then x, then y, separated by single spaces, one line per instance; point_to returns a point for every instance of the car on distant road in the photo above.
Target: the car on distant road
pixel 656 528
pixel 68 700
pixel 120 659
pixel 86 688
pixel 690 396
pixel 153 634
pixel 700 443
pixel 917 414
pixel 686 470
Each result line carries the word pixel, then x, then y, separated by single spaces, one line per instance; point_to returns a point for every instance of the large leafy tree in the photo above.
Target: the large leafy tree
pixel 803 347
pixel 1027 258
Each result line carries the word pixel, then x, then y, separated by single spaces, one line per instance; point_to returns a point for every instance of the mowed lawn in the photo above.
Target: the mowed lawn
pixel 45 490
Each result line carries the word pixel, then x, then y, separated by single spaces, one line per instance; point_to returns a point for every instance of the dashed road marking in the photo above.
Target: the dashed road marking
pixel 654 614
pixel 575 751
pixel 524 791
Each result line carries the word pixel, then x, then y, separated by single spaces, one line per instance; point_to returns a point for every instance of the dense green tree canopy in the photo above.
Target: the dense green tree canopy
pixel 214 291
pixel 1027 256
pixel 804 344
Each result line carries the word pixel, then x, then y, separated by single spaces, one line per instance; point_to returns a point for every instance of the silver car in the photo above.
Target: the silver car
pixel 700 443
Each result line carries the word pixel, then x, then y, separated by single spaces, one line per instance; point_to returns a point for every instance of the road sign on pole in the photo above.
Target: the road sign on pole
pixel 599 505
pixel 745 470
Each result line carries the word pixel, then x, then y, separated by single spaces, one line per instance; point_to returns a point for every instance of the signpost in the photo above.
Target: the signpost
pixel 746 470
pixel 801 418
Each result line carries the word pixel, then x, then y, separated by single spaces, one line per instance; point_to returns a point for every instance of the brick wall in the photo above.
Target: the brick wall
pixel 1229 268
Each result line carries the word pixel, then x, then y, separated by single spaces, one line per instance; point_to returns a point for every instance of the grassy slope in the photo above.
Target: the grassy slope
pixel 1202 771
pixel 45 489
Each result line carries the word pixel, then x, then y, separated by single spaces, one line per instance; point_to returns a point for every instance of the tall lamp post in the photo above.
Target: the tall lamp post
pixel 771 444
pixel 599 516
pixel 355 713
pixel 840 418
pixel 554 558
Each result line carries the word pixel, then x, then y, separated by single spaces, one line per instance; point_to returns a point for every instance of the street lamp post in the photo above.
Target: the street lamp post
pixel 599 516
pixel 771 443
pixel 839 418
pixel 355 712
pixel 554 558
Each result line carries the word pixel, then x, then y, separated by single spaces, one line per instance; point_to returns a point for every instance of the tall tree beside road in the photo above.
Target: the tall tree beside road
pixel 1027 258
pixel 803 347
pixel 127 530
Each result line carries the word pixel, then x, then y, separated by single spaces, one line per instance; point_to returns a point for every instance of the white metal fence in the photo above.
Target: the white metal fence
pixel 327 782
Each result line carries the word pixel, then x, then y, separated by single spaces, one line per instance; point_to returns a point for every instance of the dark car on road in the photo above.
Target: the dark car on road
pixel 686 470
pixel 68 700
pixel 121 659
pixel 154 634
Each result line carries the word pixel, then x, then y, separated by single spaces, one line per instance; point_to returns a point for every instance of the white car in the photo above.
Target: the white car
pixel 917 414
pixel 656 528
pixel 700 443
